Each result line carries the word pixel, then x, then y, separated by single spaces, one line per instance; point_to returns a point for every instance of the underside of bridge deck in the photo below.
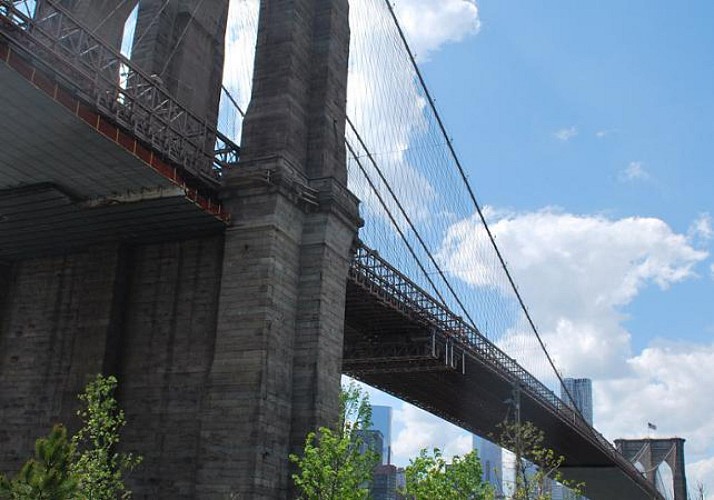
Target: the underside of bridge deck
pixel 389 347
pixel 69 179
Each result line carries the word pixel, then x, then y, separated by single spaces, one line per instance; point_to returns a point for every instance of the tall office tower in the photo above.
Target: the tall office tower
pixel 490 455
pixel 371 440
pixel 382 421
pixel 581 390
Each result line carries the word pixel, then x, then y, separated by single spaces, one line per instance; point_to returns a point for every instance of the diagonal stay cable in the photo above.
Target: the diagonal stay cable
pixel 392 219
pixel 180 38
pixel 232 99
pixel 108 16
pixel 151 23
pixel 412 226
pixel 472 196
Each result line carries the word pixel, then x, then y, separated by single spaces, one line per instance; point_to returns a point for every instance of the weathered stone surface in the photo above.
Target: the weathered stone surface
pixel 297 111
pixel 54 332
pixel 146 314
pixel 182 43
pixel 281 314
pixel 166 350
pixel 228 348
pixel 650 453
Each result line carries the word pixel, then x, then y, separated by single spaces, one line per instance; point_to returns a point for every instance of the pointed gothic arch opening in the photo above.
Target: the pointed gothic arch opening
pixel 664 480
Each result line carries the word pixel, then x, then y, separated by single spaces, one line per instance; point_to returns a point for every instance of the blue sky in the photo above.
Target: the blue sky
pixel 633 80
pixel 592 121
pixel 586 131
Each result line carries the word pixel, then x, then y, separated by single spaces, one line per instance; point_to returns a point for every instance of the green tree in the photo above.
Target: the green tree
pixel 98 466
pixel 533 477
pixel 87 467
pixel 334 464
pixel 48 474
pixel 429 476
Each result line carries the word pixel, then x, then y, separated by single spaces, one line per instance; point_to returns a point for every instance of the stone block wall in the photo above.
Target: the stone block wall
pixel 55 326
pixel 146 314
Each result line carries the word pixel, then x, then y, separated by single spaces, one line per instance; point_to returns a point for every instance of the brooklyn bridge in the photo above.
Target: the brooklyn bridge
pixel 230 278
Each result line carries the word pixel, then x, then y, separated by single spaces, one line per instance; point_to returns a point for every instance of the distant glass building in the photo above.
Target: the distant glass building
pixel 371 440
pixel 491 457
pixel 401 481
pixel 581 389
pixel 382 422
pixel 384 483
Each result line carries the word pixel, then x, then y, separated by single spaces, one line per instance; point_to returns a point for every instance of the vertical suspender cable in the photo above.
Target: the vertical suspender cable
pixel 413 228
pixel 462 173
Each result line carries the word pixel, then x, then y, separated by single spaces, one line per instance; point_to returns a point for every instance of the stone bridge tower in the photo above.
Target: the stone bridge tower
pixel 280 325
pixel 227 344
pixel 650 453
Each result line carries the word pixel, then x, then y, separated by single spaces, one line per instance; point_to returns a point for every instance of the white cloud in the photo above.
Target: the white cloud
pixel 670 385
pixel 576 274
pixel 635 171
pixel 385 103
pixel 420 429
pixel 429 24
pixel 701 229
pixel 601 134
pixel 565 134
pixel 666 386
pixel 701 471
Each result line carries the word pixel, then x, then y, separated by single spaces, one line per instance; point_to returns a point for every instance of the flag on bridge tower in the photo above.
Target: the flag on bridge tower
pixel 652 426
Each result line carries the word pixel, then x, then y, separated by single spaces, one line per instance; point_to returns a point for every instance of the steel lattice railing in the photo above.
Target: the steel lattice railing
pixel 121 92
pixel 374 274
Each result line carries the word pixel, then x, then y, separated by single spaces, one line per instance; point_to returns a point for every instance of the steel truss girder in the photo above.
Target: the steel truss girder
pixel 383 281
pixel 106 80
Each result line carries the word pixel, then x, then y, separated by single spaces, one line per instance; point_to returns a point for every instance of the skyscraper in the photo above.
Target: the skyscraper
pixel 491 459
pixel 371 439
pixel 582 392
pixel 382 421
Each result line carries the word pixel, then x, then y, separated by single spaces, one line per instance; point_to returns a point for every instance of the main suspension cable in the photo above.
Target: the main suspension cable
pixel 477 206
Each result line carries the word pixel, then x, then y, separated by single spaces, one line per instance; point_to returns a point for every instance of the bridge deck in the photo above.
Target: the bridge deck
pixel 70 178
pixel 398 339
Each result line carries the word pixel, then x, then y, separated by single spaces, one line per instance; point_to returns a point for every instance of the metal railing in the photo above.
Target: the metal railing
pixel 110 83
pixel 370 271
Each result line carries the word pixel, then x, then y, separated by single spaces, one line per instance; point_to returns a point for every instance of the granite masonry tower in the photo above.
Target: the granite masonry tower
pixel 650 453
pixel 227 342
